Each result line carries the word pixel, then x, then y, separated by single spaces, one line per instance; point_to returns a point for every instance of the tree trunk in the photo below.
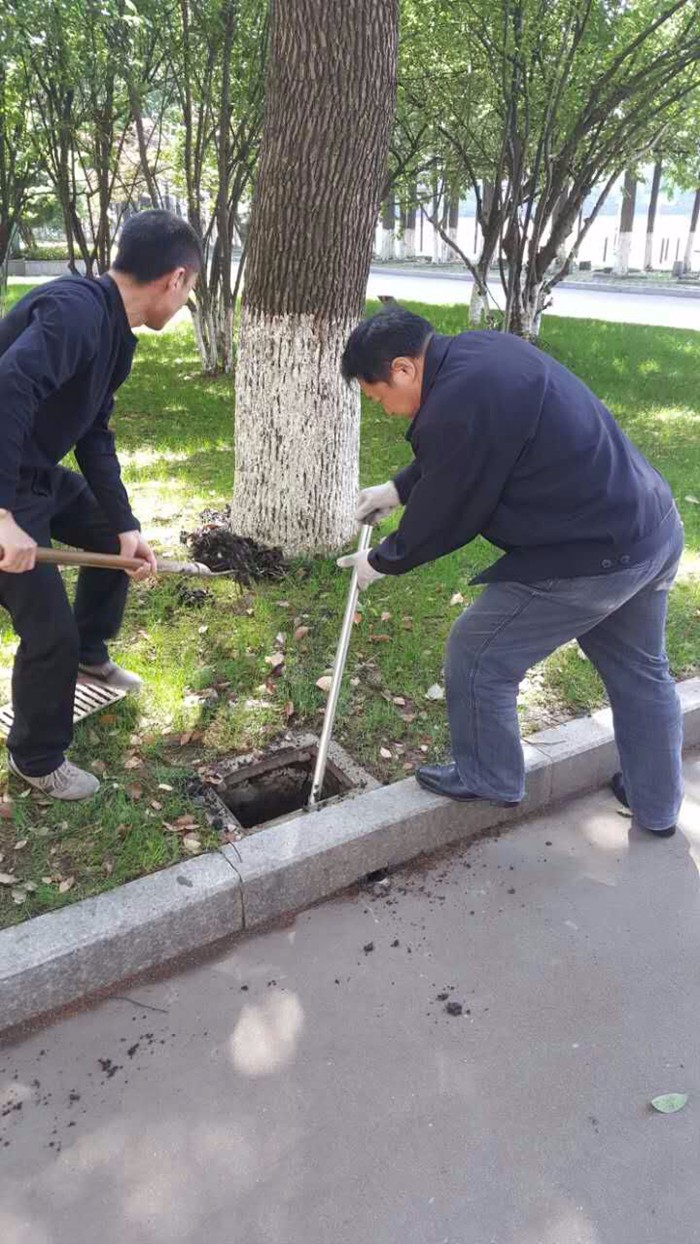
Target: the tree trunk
pixel 387 237
pixel 624 245
pixel 526 313
pixel 436 211
pixel 690 243
pixel 328 114
pixel 651 216
pixel 409 224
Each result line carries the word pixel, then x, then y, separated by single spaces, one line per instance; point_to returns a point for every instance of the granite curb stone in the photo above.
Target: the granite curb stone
pixel 66 956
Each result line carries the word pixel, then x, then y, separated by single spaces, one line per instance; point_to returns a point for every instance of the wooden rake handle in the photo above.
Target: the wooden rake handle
pixel 113 561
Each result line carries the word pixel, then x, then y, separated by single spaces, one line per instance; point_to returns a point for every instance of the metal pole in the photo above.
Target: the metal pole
pixel 338 668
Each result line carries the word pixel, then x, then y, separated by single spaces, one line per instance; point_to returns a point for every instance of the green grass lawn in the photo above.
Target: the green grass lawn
pixel 174 431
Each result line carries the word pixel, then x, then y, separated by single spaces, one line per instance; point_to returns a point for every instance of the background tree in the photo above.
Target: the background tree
pixel 627 210
pixel 651 213
pixel 77 69
pixel 328 112
pixel 17 159
pixel 549 104
pixel 211 96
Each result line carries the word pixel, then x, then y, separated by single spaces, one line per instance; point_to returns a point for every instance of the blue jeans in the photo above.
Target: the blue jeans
pixel 619 620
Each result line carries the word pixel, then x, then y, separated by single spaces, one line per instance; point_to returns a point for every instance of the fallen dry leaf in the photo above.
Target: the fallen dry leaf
pixel 164 786
pixel 324 682
pixel 357 618
pixel 436 692
pixel 30 886
pixel 133 762
pixel 6 811
pixel 457 599
pixel 300 632
pixel 386 616
pixel 134 791
pixel 107 719
pixel 380 639
pixel 398 699
pixel 7 879
pixel 98 766
pixel 289 710
pixel 19 846
pixel 156 805
pixel 385 753
pixel 407 624
pixel 191 844
pixel 202 629
pixel 66 885
pixel 186 738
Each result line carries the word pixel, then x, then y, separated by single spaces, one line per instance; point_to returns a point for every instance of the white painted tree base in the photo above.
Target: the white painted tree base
pixel 624 247
pixel 386 244
pixel 297 435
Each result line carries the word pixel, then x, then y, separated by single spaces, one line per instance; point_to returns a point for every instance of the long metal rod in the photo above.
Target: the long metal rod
pixel 338 669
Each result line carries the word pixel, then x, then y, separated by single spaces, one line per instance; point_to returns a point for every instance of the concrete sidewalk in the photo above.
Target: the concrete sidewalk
pixel 310 1087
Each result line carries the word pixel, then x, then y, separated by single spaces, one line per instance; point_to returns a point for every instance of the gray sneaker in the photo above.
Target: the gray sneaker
pixel 112 676
pixel 66 782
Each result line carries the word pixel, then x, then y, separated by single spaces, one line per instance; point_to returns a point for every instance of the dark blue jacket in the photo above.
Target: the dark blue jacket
pixel 64 349
pixel 510 445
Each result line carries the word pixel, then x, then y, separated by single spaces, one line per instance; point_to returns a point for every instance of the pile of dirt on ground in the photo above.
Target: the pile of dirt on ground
pixel 219 548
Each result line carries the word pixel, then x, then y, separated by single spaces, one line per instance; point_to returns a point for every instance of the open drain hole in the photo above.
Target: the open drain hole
pixel 271 790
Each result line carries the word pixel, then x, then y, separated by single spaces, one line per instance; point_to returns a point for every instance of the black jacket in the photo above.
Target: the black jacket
pixel 64 349
pixel 510 445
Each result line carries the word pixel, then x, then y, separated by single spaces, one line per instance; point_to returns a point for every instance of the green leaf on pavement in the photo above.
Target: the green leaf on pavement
pixel 669 1103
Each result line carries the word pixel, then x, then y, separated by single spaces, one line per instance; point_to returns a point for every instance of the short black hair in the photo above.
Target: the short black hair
pixel 155 242
pixel 376 342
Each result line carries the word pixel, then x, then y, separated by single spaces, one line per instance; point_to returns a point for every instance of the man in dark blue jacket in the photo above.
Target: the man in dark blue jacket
pixel 510 445
pixel 64 350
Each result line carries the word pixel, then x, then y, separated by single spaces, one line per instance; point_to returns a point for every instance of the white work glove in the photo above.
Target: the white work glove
pixel 366 573
pixel 376 502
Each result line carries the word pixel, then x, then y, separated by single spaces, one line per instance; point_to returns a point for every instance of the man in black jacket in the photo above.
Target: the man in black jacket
pixel 510 445
pixel 64 350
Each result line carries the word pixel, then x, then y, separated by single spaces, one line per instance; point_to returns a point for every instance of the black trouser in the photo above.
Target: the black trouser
pixel 53 636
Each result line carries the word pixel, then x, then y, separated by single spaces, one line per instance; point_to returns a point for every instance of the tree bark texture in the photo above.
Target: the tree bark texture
pixel 328 113
pixel 408 224
pixel 624 245
pixel 651 215
pixel 388 223
pixel 690 243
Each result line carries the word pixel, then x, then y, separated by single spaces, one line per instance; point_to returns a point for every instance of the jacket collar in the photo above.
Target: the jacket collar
pixel 435 355
pixel 116 305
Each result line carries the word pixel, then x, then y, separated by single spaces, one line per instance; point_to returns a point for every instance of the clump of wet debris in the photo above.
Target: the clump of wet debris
pixel 215 545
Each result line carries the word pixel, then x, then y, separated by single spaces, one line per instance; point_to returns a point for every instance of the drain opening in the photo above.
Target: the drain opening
pixel 260 793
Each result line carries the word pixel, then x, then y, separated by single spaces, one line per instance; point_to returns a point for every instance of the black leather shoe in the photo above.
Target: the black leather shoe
pixel 618 789
pixel 445 780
